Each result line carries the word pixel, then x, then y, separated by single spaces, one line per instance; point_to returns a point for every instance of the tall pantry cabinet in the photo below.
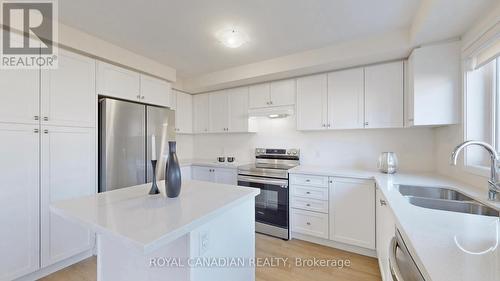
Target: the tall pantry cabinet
pixel 48 133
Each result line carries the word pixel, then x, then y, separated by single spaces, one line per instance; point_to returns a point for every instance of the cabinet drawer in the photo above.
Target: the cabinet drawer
pixel 307 180
pixel 310 223
pixel 310 204
pixel 310 192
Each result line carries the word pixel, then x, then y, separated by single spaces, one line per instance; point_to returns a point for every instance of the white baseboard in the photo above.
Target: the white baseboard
pixel 337 245
pixel 55 267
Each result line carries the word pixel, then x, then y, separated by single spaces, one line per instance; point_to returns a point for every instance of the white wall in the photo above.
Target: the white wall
pixel 185 146
pixel 343 148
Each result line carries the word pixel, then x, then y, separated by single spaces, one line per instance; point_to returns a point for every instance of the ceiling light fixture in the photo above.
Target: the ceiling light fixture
pixel 231 37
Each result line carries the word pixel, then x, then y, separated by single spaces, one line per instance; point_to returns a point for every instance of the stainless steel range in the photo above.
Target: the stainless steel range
pixel 270 175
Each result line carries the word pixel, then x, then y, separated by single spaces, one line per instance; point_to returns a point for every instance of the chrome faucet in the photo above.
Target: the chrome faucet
pixel 494 184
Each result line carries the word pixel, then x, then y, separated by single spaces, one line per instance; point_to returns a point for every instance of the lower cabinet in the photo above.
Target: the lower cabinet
pixel 335 209
pixel 386 226
pixel 352 212
pixel 218 175
pixel 186 173
pixel 68 171
pixel 19 200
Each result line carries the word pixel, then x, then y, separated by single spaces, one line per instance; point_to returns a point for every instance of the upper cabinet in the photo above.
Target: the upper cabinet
pixel 114 81
pixel 277 93
pixel 228 111
pixel 346 99
pixel 312 108
pixel 118 82
pixel 183 112
pixel 200 113
pixel 68 92
pixel 384 95
pixel 433 85
pixel 155 91
pixel 20 96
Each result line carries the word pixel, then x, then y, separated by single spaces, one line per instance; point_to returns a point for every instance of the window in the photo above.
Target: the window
pixel 482 111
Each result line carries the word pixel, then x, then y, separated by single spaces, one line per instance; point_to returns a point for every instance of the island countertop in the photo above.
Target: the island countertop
pixel 152 221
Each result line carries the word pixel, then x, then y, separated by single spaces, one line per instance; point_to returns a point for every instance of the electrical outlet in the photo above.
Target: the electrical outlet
pixel 204 242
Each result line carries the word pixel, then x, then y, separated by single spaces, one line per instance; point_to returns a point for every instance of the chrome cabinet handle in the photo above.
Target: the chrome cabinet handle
pixel 383 202
pixel 36 131
pixel 308 180
pixel 366 123
pixel 142 97
pixel 308 205
pixel 45 118
pixel 393 265
pixel 45 131
pixel 138 96
pixel 271 102
pixel 36 117
pixel 307 192
pixel 308 223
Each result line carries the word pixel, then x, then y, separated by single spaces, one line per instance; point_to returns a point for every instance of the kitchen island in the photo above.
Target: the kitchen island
pixel 207 233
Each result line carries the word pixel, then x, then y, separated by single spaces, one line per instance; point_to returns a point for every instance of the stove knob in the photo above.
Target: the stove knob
pixel 288 153
pixel 294 152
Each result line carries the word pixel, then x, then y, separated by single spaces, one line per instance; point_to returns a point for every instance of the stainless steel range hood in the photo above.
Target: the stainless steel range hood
pixel 272 112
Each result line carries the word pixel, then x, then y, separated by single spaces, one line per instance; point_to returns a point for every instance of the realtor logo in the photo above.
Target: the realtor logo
pixel 28 30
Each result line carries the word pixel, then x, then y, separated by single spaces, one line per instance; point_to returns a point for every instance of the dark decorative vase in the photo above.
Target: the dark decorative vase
pixel 172 172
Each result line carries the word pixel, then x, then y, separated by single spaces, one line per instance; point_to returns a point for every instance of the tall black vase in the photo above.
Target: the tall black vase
pixel 172 172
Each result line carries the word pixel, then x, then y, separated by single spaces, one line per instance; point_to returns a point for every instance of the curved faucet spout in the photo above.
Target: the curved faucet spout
pixel 454 156
pixel 494 184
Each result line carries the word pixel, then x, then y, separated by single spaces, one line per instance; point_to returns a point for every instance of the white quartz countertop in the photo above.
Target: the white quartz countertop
pixel 445 245
pixel 149 222
pixel 211 163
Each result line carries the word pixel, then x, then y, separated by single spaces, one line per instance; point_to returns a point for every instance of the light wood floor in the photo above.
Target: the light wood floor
pixel 361 269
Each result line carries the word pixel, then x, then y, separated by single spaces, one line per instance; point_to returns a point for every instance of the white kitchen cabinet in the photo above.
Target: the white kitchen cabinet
pixel 118 82
pixel 309 223
pixel 68 171
pixel 346 99
pixel 283 92
pixel 155 91
pixel 386 226
pixel 218 111
pixel 68 94
pixel 312 102
pixel 433 90
pixel 183 112
pixel 259 95
pixel 384 95
pixel 20 96
pixel 276 93
pixel 352 212
pixel 212 174
pixel 200 113
pixel 238 110
pixel 19 200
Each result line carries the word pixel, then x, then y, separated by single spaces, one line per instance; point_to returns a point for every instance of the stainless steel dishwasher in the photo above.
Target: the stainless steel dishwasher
pixel 401 263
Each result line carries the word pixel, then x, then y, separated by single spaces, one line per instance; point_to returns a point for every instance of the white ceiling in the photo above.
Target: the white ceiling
pixel 180 33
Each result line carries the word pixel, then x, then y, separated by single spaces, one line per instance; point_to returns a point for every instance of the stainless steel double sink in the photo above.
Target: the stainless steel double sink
pixel 445 199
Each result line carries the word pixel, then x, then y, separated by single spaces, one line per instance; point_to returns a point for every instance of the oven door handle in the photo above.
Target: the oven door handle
pixel 280 183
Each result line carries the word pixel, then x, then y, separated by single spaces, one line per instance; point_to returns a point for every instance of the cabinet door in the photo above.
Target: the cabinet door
pixel 19 200
pixel 346 99
pixel 312 102
pixel 385 231
pixel 283 92
pixel 259 95
pixel 184 113
pixel 384 95
pixel 155 91
pixel 200 113
pixel 186 173
pixel 68 171
pixel 202 173
pixel 226 176
pixel 68 92
pixel 20 96
pixel 114 81
pixel 352 212
pixel 218 112
pixel 238 109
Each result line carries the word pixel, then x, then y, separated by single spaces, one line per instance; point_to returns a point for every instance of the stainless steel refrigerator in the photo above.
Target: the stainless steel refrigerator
pixel 125 130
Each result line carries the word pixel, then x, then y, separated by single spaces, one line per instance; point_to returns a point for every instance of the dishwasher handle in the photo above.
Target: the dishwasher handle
pixel 393 264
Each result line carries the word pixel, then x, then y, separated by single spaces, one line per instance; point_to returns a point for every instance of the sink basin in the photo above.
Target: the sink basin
pixel 433 192
pixel 445 199
pixel 468 207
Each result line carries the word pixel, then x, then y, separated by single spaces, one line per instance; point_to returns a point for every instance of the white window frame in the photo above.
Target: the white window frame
pixel 479 170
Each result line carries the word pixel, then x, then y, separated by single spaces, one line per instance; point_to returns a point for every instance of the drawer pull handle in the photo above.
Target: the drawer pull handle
pixel 308 223
pixel 308 180
pixel 308 205
pixel 383 202
pixel 307 192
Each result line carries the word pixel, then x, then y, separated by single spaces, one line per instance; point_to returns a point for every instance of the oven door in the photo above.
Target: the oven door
pixel 271 205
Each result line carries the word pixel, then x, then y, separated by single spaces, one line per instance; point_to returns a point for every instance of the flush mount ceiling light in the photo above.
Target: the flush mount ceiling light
pixel 231 37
